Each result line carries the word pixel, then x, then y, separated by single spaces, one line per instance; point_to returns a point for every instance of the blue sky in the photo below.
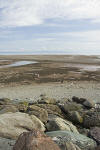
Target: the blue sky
pixel 50 26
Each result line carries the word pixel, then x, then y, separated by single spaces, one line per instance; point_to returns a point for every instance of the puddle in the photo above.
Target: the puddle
pixel 18 63
pixel 84 67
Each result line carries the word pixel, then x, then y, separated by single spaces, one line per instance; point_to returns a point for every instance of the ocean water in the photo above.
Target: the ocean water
pixel 62 52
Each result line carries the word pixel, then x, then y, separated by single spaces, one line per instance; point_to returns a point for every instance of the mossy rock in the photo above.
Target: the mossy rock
pixel 22 106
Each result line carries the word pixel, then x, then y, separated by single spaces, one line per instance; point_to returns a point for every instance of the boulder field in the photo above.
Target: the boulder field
pixel 49 124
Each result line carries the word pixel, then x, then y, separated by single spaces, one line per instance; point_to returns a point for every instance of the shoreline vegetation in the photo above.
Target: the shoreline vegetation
pixel 56 100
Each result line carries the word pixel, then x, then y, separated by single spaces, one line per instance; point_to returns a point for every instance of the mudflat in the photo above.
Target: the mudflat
pixel 55 75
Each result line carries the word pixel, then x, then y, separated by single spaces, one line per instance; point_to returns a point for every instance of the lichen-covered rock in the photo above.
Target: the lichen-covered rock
pixel 75 117
pixel 22 106
pixel 13 124
pixel 91 119
pixel 51 109
pixel 56 123
pixel 95 134
pixel 83 142
pixel 40 113
pixel 35 140
pixel 6 144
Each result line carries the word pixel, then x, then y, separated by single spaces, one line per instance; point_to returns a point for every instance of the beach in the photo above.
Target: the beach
pixel 59 77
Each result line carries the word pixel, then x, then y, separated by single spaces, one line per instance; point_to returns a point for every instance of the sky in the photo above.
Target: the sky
pixel 50 26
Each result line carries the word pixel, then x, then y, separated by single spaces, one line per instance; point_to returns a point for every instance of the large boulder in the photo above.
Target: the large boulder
pixel 40 113
pixel 91 119
pixel 56 123
pixel 83 142
pixel 8 108
pixel 51 109
pixel 6 144
pixel 35 140
pixel 95 134
pixel 13 124
pixel 71 107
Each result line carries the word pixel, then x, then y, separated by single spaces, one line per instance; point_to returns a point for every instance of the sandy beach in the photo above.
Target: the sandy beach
pixel 86 89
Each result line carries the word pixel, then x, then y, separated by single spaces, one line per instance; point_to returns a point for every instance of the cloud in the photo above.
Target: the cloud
pixel 34 12
pixel 64 42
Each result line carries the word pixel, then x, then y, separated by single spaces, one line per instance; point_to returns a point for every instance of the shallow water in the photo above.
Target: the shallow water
pixel 84 66
pixel 18 63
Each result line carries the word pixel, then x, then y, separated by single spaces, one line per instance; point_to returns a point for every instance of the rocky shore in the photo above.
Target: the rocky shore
pixel 72 124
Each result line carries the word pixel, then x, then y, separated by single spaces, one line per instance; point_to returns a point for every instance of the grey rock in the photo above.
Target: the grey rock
pixel 56 123
pixel 91 119
pixel 89 104
pixel 83 142
pixel 13 124
pixel 6 144
pixel 95 134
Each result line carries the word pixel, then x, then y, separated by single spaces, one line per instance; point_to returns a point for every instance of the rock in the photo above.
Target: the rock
pixel 71 107
pixel 13 124
pixel 83 142
pixel 35 140
pixel 51 109
pixel 71 146
pixel 83 131
pixel 8 108
pixel 89 104
pixel 40 113
pixel 97 148
pixel 6 144
pixel 5 101
pixel 46 100
pixel 78 100
pixel 91 119
pixel 56 123
pixel 95 134
pixel 75 117
pixel 22 106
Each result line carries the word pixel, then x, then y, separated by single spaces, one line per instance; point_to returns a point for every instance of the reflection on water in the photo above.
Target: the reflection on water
pixel 83 66
pixel 19 63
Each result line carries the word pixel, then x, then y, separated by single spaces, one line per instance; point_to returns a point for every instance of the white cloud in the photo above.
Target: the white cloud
pixel 77 42
pixel 33 12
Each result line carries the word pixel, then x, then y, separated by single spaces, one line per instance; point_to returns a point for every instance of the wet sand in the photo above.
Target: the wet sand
pixel 59 77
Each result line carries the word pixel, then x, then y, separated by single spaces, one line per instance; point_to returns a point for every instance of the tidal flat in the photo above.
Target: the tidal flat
pixel 58 76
